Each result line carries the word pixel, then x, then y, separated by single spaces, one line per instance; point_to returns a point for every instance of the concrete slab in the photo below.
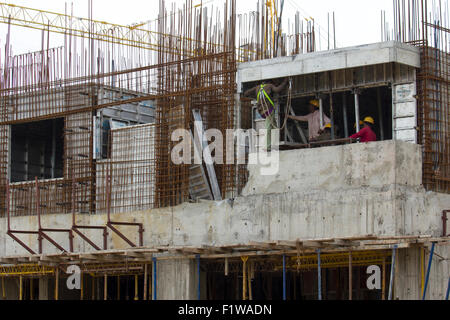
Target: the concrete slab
pixel 315 62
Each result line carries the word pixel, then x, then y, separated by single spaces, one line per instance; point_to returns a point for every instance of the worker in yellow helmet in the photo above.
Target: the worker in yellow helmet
pixel 366 134
pixel 325 134
pixel 313 119
pixel 265 104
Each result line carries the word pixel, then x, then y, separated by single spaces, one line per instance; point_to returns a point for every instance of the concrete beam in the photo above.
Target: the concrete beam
pixel 315 62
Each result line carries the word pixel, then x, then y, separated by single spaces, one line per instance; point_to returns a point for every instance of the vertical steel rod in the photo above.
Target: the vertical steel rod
pixel 383 290
pixel 357 111
pixel 3 289
pixel 448 289
pixel 321 111
pixel 430 260
pixel 380 114
pixel 284 277
pixel 136 287
pixel 20 287
pixel 350 277
pixel 391 280
pixel 118 287
pixel 145 281
pixel 154 279
pixel 319 272
pixel 197 257
pixel 81 286
pixel 105 288
pixel 57 284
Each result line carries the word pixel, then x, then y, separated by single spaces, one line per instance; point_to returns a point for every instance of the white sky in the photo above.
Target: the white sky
pixel 357 21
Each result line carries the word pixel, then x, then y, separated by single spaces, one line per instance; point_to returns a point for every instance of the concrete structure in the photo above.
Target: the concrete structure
pixel 389 65
pixel 350 191
pixel 340 191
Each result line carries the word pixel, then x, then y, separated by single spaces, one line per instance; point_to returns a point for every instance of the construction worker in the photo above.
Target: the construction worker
pixel 366 134
pixel 325 135
pixel 265 105
pixel 313 119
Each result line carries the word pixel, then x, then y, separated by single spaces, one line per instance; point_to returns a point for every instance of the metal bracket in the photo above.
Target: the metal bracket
pixel 75 227
pixel 110 224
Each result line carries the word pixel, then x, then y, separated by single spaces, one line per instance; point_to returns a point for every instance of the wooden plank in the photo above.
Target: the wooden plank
pixel 314 244
pixel 8 260
pixel 89 256
pixel 192 250
pixel 262 244
pixel 286 243
pixel 345 243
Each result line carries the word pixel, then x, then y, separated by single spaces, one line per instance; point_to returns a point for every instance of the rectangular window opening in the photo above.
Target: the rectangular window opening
pixel 37 150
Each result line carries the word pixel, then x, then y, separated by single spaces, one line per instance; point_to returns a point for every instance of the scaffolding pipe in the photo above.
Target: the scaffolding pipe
pixel 319 270
pixel 93 288
pixel 118 287
pixel 380 114
pixel 226 267
pixel 244 278
pixel 31 289
pixel 21 288
pixel 81 286
pixel 391 280
pixel 145 282
pixel 57 284
pixel 136 288
pixel 3 289
pixel 422 269
pixel 448 289
pixel 383 291
pixel 250 276
pixel 344 109
pixel 321 112
pixel 357 111
pixel 430 260
pixel 332 115
pixel 154 278
pixel 350 277
pixel 197 257
pixel 105 289
pixel 284 277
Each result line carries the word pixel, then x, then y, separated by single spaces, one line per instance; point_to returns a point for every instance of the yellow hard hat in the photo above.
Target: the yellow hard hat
pixel 360 123
pixel 328 125
pixel 315 103
pixel 369 120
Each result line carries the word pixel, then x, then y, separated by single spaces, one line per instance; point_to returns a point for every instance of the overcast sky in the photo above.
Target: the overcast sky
pixel 357 21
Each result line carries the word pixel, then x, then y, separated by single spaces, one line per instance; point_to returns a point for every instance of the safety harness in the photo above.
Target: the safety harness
pixel 263 94
pixel 261 100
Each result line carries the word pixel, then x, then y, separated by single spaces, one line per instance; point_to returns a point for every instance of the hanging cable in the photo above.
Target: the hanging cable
pixel 288 107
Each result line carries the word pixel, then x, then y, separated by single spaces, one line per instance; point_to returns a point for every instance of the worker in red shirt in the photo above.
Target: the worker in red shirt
pixel 366 134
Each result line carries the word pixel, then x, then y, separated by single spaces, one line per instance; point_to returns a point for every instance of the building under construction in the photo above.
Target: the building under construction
pixel 87 179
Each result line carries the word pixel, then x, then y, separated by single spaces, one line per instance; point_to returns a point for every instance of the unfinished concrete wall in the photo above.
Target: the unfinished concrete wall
pixel 354 190
pixel 408 273
pixel 373 165
pixel 177 280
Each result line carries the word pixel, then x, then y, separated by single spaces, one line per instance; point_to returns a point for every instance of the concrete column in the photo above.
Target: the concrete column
pixel 177 280
pixel 43 288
